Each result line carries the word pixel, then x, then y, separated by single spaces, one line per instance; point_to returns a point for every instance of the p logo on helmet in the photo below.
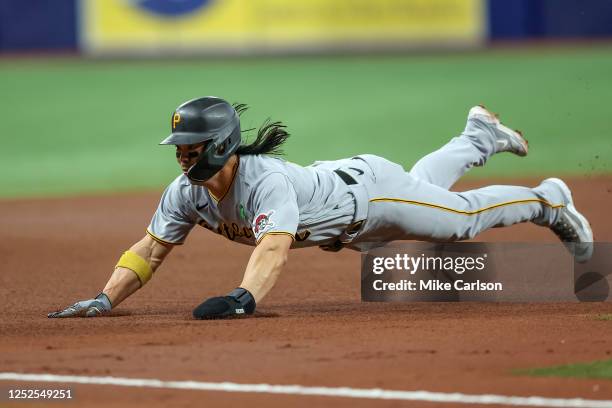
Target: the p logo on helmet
pixel 176 118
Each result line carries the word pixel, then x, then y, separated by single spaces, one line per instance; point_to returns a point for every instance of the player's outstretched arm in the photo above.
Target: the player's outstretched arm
pixel 262 271
pixel 134 269
pixel 265 265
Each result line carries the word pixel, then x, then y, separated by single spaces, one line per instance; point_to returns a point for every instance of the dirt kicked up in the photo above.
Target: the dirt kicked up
pixel 311 330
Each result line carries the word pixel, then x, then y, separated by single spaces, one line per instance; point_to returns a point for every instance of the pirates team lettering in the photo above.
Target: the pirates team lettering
pixel 229 231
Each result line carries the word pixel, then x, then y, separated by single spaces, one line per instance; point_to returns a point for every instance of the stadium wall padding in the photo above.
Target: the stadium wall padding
pixel 39 25
pixel 549 19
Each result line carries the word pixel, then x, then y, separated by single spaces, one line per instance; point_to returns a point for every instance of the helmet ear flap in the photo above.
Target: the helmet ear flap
pixel 214 156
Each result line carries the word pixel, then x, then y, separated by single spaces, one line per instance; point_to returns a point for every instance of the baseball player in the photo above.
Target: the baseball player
pixel 245 193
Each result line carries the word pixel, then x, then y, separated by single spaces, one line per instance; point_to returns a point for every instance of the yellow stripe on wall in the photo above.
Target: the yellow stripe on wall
pixel 239 25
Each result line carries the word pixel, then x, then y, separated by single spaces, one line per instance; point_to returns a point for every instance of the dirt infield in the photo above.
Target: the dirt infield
pixel 312 329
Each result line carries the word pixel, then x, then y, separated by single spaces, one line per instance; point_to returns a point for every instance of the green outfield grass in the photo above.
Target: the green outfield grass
pixel 72 126
pixel 596 369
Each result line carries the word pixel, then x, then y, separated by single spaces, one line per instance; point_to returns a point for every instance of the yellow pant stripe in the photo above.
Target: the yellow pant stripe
pixel 441 207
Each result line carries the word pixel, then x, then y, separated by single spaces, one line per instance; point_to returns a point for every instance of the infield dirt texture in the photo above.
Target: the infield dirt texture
pixel 80 137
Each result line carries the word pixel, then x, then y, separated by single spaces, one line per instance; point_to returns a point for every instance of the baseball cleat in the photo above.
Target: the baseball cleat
pixel 507 140
pixel 573 226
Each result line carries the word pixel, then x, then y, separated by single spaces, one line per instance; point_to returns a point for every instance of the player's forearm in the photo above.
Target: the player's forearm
pixel 265 266
pixel 122 283
pixel 135 268
pixel 262 272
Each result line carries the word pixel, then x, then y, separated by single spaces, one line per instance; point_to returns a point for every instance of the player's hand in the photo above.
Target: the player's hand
pixel 85 308
pixel 238 302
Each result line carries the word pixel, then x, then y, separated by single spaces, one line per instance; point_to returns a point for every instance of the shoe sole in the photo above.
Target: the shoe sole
pixel 586 226
pixel 493 119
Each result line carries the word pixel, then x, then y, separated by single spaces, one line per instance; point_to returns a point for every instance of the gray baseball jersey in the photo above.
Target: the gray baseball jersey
pixel 267 196
pixel 369 201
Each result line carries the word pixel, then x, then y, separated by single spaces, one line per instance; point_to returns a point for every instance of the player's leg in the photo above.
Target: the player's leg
pixel 482 137
pixel 408 208
pixel 402 207
pixel 427 212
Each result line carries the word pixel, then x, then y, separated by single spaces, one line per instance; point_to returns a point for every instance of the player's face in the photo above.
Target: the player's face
pixel 187 155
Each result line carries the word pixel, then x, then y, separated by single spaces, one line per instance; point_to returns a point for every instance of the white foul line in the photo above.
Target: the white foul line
pixel 345 392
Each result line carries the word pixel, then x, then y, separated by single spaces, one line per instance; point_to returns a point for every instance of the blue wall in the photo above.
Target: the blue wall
pixel 38 25
pixel 537 19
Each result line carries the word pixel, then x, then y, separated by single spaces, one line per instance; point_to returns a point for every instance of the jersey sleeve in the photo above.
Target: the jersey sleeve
pixel 275 207
pixel 174 218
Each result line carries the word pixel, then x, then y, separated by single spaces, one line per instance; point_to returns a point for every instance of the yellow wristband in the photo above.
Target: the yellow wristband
pixel 134 262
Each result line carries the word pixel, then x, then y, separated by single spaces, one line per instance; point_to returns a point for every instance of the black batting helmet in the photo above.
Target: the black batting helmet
pixel 205 119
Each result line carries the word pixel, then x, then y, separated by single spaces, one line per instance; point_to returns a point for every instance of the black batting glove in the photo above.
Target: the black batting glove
pixel 239 302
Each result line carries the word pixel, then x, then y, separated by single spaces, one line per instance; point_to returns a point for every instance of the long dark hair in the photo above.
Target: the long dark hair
pixel 270 136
